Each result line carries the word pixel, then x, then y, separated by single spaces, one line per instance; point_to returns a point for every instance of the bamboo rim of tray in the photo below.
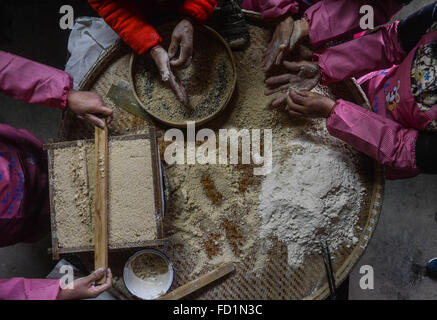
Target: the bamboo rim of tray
pixel 376 192
pixel 201 121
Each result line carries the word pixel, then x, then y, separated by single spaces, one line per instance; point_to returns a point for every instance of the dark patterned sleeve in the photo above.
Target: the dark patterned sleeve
pixel 413 27
pixel 426 152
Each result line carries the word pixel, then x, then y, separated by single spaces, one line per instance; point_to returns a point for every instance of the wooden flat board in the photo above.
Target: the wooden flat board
pixel 199 283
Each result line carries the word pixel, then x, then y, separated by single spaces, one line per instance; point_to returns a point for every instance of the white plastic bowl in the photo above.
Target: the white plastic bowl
pixel 148 289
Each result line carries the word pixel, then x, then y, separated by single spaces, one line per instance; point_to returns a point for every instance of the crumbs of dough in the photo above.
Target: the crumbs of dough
pixel 149 265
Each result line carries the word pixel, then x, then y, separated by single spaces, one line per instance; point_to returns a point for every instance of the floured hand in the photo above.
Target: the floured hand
pixel 300 32
pixel 279 45
pixel 161 58
pixel 182 42
pixel 303 75
pixel 306 104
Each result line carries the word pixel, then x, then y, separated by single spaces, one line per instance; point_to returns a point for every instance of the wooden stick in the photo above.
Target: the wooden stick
pixel 117 294
pixel 101 200
pixel 200 282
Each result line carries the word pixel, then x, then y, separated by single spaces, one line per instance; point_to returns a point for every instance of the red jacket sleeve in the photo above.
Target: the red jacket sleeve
pixel 33 82
pixel 375 51
pixel 29 289
pixel 200 10
pixel 126 18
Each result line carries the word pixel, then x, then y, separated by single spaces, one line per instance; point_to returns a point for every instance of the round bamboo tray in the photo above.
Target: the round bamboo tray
pixel 182 124
pixel 278 281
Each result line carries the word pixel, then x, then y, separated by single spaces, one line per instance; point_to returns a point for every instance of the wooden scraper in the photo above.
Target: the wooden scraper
pixel 122 96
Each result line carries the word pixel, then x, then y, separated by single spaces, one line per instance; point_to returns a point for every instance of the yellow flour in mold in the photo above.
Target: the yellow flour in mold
pixel 131 196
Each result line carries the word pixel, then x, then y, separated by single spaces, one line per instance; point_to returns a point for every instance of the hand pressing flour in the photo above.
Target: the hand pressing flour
pixel 182 43
pixel 162 61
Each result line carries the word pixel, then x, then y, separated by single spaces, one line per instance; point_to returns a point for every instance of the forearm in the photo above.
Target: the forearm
pixel 378 50
pixel 32 82
pixel 272 9
pixel 29 289
pixel 380 138
pixel 332 19
pixel 130 23
pixel 199 10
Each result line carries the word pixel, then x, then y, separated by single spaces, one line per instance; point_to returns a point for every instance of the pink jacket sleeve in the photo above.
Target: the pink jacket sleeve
pixel 272 9
pixel 332 19
pixel 29 289
pixel 33 82
pixel 375 51
pixel 380 138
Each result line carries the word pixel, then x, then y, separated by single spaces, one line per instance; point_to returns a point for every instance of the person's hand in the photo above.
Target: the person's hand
pixel 305 53
pixel 182 42
pixel 85 288
pixel 300 32
pixel 279 45
pixel 89 106
pixel 308 104
pixel 303 75
pixel 160 56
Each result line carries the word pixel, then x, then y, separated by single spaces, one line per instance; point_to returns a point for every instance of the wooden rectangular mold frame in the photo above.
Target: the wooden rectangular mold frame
pixel 158 189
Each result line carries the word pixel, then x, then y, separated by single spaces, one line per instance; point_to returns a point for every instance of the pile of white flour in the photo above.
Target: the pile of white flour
pixel 313 195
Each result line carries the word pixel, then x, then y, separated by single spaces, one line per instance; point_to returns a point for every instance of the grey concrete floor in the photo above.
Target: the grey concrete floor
pixel 405 238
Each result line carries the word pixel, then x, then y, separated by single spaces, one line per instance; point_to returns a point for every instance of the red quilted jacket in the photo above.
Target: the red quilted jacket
pixel 129 17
